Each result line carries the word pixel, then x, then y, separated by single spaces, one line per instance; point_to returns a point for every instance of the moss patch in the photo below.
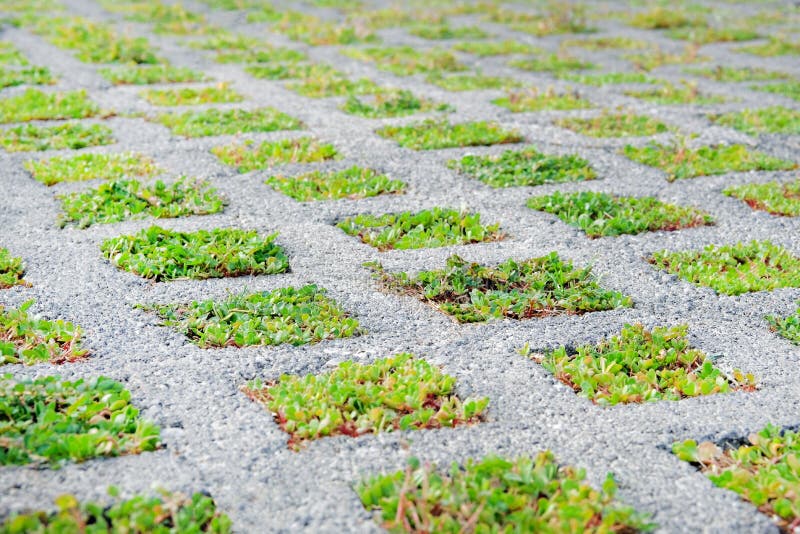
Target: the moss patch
pixel 405 60
pixel 11 270
pixel 190 96
pixel 90 167
pixel 432 134
pixel 249 156
pixel 354 182
pixel 36 105
pixel 775 119
pixel 72 135
pixel 227 122
pixel 535 100
pixel 611 124
pixel 150 74
pixel 772 197
pixel 28 339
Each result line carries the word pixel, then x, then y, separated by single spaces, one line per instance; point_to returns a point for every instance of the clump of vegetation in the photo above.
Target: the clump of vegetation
pixel 555 63
pixel 789 89
pixel 264 55
pixel 390 103
pixel 436 227
pixel 607 78
pixel 190 96
pixel 319 81
pixel 610 124
pixel 150 74
pixel 762 471
pixel 680 161
pixel 396 393
pixel 11 270
pixel 709 34
pixel 775 119
pixel 641 365
pixel 554 19
pixel 90 167
pixel 722 73
pixel 163 254
pixel 170 512
pixel 498 495
pixel 656 57
pixel 772 197
pixel 315 32
pixel 445 31
pixel 524 167
pixel 663 18
pixel 405 60
pixel 286 315
pixel 776 46
pixel 470 82
pixel 667 93
pixel 171 19
pixel 616 42
pixel 25 76
pixel 36 105
pixel 27 339
pixel 788 327
pixel 434 134
pixel 72 135
pixel 353 182
pixel 602 214
pixel 734 269
pixel 10 55
pixel 227 122
pixel 249 156
pixel 535 100
pixel 495 48
pixel 50 421
pixel 534 288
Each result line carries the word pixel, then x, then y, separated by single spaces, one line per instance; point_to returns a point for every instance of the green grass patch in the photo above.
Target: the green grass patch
pixel 602 214
pixel 789 89
pixel 286 315
pixel 317 79
pixel 555 63
pixel 535 100
pixel 354 183
pixel 10 55
pixel 249 156
pixel 435 227
pixel 11 270
pixel 614 124
pixel 704 35
pixel 25 76
pixel 396 393
pixel 228 41
pixel 470 82
pixel 445 31
pixel 227 122
pixel 680 161
pixel 734 269
pixel 72 135
pixel 90 167
pixel 405 60
pixel 173 19
pixel 28 339
pixel 533 288
pixel 122 200
pixel 321 81
pixel 665 18
pixel 595 44
pixel 495 48
pixel 775 120
pixel 264 55
pixel 607 78
pixel 150 74
pixel 787 327
pixel 36 105
pixel 656 57
pixel 669 94
pixel 190 96
pixel 317 32
pixel 554 19
pixel 641 365
pixel 772 197
pixel 435 134
pixel 776 46
pixel 526 167
pixel 390 103
pixel 50 421
pixel 722 73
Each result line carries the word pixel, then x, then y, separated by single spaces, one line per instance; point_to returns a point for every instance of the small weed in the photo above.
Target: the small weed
pixel 663 18
pixel 248 156
pixel 772 197
pixel 776 46
pixel 316 32
pixel 167 19
pixel 150 74
pixel 721 73
pixel 434 134
pixel 790 89
pixel 605 43
pixel 495 48
pixel 353 183
pixel 36 105
pixel 706 34
pixel 535 100
pixel 390 103
pixel 314 76
pixel 775 120
pixel 556 63
pixel 610 124
pixel 262 55
pixel 405 60
pixel 227 122
pixel 609 78
pixel 445 31
pixel 11 270
pixel 90 167
pixel 470 82
pixel 647 61
pixel 25 76
pixel 228 41
pixel 323 82
pixel 73 135
pixel 668 94
pixel 190 96
pixel 556 18
pixel 787 327
pixel 10 55
pixel 27 339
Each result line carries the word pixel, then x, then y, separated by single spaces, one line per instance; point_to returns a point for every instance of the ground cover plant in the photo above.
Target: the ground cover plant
pixel 261 54
pixel 614 124
pixel 11 77
pixel 50 421
pixel 190 96
pixel 11 270
pixel 470 81
pixel 249 156
pixel 121 200
pixel 607 78
pixel 533 288
pixel 390 103
pixel 787 327
pixel 171 19
pixel 709 34
pixel 734 269
pixel 72 135
pixel 656 57
pixel 762 470
pixel 166 513
pixel 776 46
pixel 534 100
pixel 641 365
pixel 405 60
pixel 90 167
pixel 495 48
pixel 788 89
pixel 601 214
pixel 497 494
pixel 320 81
pixel 28 339
pixel 287 315
pixel 161 254
pixel 680 161
pixel 150 74
pixel 722 73
pixel 354 182
pixel 523 167
pixel 667 94
pixel 435 227
pixel 774 119
pixel 227 121
pixel 555 63
pixel 615 42
pixel 552 20
pixel 315 31
pixel 663 18
pixel 433 134
pixel 37 105
pixel 10 55
pixel 396 393
pixel 772 197
pixel 445 31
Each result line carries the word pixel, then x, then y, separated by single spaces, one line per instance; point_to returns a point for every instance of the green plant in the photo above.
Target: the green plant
pixel 405 60
pixel 616 42
pixel 396 393
pixel 445 31
pixel 775 198
pixel 775 119
pixel 36 105
pixel 27 339
pixel 73 135
pixel 286 315
pixel 436 227
pixel 11 270
pixel 495 48
pixel 149 74
pixel 611 124
pixel 790 89
pixel 555 63
pixel 227 122
pixel 390 103
pixel 498 495
pixel 25 76
pixel 470 82
pixel 90 167
pixel 734 269
pixel 776 46
pixel 320 81
pixel 537 287
pixel 353 182
pixel 705 35
pixel 656 57
pixel 722 73
pixel 661 18
pixel 667 93
pixel 523 167
pixel 315 32
pixel 608 78
pixel 190 96
pixel 641 365
pixel 554 18
pixel 680 161
pixel 264 56
pixel 788 327
pixel 248 156
pixel 171 19
pixel 434 134
pixel 535 100
pixel 47 420
pixel 10 55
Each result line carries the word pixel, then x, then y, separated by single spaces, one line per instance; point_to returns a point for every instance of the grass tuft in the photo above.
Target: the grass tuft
pixel 90 167
pixel 405 60
pixel 535 100
pixel 249 156
pixel 435 134
pixel 607 78
pixel 27 339
pixel 36 105
pixel 190 96
pixel 776 46
pixel 775 120
pixel 72 135
pixel 150 74
pixel 390 103
pixel 772 197
pixel 722 73
pixel 495 48
pixel 668 94
pixel 470 81
pixel 445 31
pixel 354 183
pixel 227 122
pixel 555 63
pixel 611 124
pixel 25 76
pixel 788 89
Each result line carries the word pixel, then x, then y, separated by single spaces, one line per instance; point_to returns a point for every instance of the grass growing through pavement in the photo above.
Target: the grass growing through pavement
pixel 445 31
pixel 405 60
pixel 354 182
pixel 596 44
pixel 722 73
pixel 149 74
pixel 772 197
pixel 27 339
pixel 537 287
pixel 705 35
pixel 190 96
pixel 523 167
pixel 434 134
pixel 90 167
pixel 788 327
pixel 249 156
pixel 552 20
pixel 776 46
pixel 535 100
pixel 640 365
pixel 663 18
pixel 435 227
pixel 320 81
pixel 286 315
pixel 788 89
pixel 556 63
pixel 10 55
pixel 36 105
pixel 607 78
pixel 602 214
pixel 667 94
pixel 72 135
pixel 162 254
pixel 396 393
pixel 390 103
pixel 25 76
pixel 734 269
pixel 495 48
pixel 11 270
pixel 614 124
pixel 227 122
pixel 121 200
pixel 50 421
pixel 470 81
pixel 498 495
pixel 775 119
pixel 656 57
